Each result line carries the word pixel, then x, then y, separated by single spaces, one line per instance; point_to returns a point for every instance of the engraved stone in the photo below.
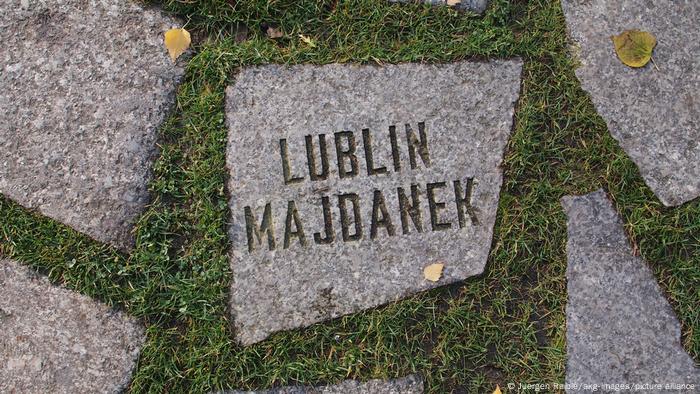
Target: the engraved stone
pixel 654 111
pixel 409 385
pixel 346 181
pixel 620 328
pixel 477 6
pixel 83 88
pixel 53 340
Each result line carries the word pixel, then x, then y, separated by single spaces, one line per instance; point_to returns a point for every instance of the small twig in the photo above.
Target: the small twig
pixel 654 63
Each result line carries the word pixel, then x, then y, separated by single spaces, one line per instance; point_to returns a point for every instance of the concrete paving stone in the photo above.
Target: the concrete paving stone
pixel 620 329
pixel 53 340
pixel 346 181
pixel 84 86
pixel 654 111
pixel 412 384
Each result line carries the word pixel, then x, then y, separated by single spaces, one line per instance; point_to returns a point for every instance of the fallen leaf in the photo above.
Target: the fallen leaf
pixel 273 32
pixel 634 47
pixel 177 41
pixel 498 390
pixel 433 272
pixel 453 2
pixel 308 41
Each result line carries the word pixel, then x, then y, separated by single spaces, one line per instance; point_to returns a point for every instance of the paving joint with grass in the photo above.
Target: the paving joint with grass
pixel 186 254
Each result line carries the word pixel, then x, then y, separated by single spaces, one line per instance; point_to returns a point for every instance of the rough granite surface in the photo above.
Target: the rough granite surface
pixel 465 110
pixel 654 112
pixel 53 340
pixel 84 85
pixel 412 384
pixel 478 6
pixel 620 328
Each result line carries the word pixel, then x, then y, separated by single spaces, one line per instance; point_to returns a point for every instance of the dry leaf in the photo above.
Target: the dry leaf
pixel 177 41
pixel 634 47
pixel 308 40
pixel 273 32
pixel 433 272
pixel 498 390
pixel 453 2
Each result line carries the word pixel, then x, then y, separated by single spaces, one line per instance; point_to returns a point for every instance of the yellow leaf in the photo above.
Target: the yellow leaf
pixel 433 272
pixel 498 390
pixel 177 41
pixel 634 47
pixel 308 40
pixel 453 2
pixel 274 32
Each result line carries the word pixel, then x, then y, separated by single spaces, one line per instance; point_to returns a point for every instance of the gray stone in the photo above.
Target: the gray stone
pixel 464 112
pixel 620 328
pixel 653 112
pixel 409 385
pixel 53 340
pixel 478 6
pixel 83 88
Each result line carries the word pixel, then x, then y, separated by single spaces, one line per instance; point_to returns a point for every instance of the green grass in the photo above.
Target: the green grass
pixel 507 325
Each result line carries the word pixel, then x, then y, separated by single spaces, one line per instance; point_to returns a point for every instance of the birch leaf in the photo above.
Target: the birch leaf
pixel 433 272
pixel 634 47
pixel 453 3
pixel 498 390
pixel 177 41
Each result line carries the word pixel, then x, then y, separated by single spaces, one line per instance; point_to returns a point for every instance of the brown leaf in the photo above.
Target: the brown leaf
pixel 274 32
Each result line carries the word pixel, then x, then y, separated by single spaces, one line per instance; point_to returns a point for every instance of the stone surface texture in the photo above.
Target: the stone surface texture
pixel 412 384
pixel 53 340
pixel 478 6
pixel 84 85
pixel 467 110
pixel 654 111
pixel 620 328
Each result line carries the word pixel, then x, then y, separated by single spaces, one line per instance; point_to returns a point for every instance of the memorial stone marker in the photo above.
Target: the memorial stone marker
pixel 83 88
pixel 347 180
pixel 53 340
pixel 619 327
pixel 409 385
pixel 654 111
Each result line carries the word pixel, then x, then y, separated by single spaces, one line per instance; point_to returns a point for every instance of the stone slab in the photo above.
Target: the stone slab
pixel 478 6
pixel 653 112
pixel 53 340
pixel 620 329
pixel 419 126
pixel 84 85
pixel 412 384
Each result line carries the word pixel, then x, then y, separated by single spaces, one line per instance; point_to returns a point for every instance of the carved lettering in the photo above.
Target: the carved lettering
pixel 286 166
pixel 256 233
pixel 436 207
pixel 311 158
pixel 345 220
pixel 464 203
pixel 410 209
pixel 379 207
pixel 416 144
pixel 344 155
pixel 293 219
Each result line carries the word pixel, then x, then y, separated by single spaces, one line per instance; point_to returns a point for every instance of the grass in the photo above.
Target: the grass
pixel 507 325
